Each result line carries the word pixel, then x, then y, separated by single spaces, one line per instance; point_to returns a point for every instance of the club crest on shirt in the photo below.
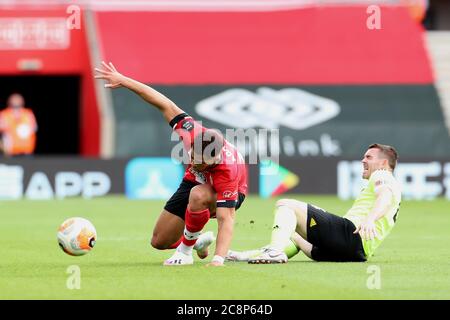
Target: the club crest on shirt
pixel 199 176
pixel 379 183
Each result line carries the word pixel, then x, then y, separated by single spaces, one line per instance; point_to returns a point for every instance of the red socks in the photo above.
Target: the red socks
pixel 176 244
pixel 195 221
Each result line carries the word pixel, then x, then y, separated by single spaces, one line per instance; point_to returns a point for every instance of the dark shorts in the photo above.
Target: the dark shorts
pixel 177 204
pixel 332 237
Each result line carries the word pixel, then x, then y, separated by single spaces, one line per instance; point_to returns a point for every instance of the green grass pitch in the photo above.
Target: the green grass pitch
pixel 413 261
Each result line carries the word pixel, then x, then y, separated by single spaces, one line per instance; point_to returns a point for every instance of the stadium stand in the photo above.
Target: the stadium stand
pixel 388 74
pixel 195 50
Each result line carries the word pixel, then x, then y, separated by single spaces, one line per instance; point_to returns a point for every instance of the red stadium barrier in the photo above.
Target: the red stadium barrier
pixel 306 46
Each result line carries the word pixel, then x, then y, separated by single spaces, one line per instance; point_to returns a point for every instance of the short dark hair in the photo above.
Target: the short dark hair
pixel 208 144
pixel 389 152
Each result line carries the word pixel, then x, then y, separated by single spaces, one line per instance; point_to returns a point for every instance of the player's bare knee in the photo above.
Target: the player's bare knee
pixel 289 203
pixel 157 243
pixel 199 198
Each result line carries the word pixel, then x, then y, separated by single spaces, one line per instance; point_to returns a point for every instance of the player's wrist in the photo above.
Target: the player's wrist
pixel 218 259
pixel 126 81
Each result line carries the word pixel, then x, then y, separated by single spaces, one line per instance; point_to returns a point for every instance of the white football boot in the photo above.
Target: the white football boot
pixel 242 256
pixel 179 259
pixel 202 244
pixel 269 256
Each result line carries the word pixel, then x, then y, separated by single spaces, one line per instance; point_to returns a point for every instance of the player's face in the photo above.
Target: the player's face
pixel 372 161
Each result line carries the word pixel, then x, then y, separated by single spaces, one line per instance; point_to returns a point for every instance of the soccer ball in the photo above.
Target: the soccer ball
pixel 77 236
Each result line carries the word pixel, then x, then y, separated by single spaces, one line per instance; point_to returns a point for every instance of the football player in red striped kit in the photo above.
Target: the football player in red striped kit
pixel 214 184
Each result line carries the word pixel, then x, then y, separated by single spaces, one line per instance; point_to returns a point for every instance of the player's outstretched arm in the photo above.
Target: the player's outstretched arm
pixel 225 220
pixel 116 80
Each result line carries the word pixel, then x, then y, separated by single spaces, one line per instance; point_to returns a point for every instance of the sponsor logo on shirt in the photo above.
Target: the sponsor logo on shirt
pixel 229 194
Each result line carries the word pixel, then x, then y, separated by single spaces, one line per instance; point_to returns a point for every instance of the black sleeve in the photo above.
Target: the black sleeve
pixel 177 119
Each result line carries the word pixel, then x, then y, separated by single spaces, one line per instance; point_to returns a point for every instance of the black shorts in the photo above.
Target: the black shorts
pixel 177 204
pixel 332 237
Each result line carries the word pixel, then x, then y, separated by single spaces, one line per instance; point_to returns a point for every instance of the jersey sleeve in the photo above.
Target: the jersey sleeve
pixel 186 127
pixel 379 179
pixel 226 187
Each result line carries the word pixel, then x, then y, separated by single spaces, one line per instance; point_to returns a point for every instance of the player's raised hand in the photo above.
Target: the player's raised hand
pixel 110 74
